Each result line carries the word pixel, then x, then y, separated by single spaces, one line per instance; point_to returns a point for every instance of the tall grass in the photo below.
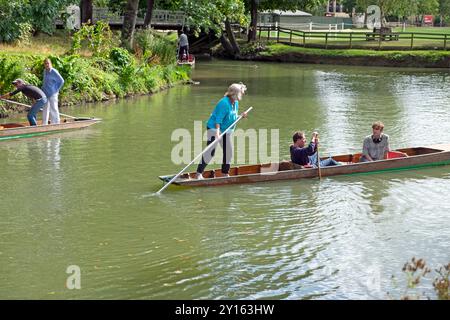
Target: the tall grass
pixel 154 48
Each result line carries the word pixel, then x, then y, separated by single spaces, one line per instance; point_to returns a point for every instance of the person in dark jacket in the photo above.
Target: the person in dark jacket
pixel 306 156
pixel 34 93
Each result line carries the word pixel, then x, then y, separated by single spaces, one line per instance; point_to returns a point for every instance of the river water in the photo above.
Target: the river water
pixel 87 198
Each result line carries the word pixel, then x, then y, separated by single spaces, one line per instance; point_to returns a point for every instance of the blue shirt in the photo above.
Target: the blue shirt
pixel 300 155
pixel 52 83
pixel 224 114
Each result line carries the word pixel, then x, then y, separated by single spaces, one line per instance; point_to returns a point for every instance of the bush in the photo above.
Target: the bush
pixel 120 57
pixel 97 38
pixel 68 66
pixel 10 69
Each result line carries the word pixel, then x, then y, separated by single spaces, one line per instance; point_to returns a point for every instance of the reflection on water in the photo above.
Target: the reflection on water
pixel 87 197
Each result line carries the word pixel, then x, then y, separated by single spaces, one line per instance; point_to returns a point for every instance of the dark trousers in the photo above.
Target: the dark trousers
pixel 227 154
pixel 183 50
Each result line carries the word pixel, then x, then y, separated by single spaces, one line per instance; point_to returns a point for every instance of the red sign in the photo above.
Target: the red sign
pixel 428 19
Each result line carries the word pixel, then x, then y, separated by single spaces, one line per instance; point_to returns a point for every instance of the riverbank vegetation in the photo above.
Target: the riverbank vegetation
pixel 272 51
pixel 93 62
pixel 95 69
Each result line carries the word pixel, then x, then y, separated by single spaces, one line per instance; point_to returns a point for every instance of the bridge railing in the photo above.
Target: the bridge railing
pixel 158 17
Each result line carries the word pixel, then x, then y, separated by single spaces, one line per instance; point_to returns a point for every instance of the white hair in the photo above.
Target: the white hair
pixel 236 91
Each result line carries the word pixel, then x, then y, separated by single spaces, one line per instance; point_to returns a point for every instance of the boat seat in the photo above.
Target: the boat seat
pixel 289 165
pixel 354 158
pixel 12 125
pixel 245 170
pixel 286 165
pixel 395 154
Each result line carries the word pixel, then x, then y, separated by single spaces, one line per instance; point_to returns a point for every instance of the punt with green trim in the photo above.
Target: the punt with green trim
pixel 24 130
pixel 401 159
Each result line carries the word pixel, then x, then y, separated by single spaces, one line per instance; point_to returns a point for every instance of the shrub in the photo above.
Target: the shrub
pixel 69 67
pixel 10 69
pixel 120 57
pixel 97 38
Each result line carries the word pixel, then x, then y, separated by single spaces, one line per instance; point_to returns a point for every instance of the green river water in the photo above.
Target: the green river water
pixel 87 197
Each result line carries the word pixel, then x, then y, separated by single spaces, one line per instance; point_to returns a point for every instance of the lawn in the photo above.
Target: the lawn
pixel 42 44
pixel 441 30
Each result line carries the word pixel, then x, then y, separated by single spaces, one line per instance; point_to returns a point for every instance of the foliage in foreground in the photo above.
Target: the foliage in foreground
pixel 416 271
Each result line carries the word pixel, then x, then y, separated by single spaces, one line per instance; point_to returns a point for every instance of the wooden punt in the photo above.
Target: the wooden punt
pixel 400 159
pixel 23 130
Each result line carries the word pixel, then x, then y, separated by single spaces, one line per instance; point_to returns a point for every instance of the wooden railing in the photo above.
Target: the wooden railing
pixel 350 40
pixel 158 16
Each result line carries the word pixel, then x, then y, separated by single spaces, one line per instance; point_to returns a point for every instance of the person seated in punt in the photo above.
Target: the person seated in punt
pixel 306 156
pixel 376 145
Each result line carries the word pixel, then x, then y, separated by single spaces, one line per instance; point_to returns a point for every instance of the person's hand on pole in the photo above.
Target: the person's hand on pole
pixel 315 137
pixel 217 135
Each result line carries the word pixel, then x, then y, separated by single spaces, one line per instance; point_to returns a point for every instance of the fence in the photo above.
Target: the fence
pixel 355 40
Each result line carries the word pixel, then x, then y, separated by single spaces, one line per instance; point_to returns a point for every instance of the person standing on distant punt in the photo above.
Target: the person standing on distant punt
pixel 376 145
pixel 307 156
pixel 183 47
pixel 34 93
pixel 224 115
pixel 52 83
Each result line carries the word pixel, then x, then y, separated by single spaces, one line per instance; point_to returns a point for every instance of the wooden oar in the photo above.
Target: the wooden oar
pixel 28 106
pixel 206 149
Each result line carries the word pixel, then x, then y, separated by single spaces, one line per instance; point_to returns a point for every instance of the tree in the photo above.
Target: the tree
pixel 444 10
pixel 387 7
pixel 12 17
pixel 86 7
pixel 253 6
pixel 215 16
pixel 129 24
pixel 361 5
pixel 349 5
pixel 253 20
pixel 428 7
pixel 19 17
pixel 148 14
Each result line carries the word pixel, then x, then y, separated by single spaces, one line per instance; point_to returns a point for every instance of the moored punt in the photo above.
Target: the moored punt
pixel 22 130
pixel 400 159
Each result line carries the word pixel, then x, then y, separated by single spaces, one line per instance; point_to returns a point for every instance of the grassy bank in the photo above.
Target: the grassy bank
pixel 399 58
pixel 90 73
